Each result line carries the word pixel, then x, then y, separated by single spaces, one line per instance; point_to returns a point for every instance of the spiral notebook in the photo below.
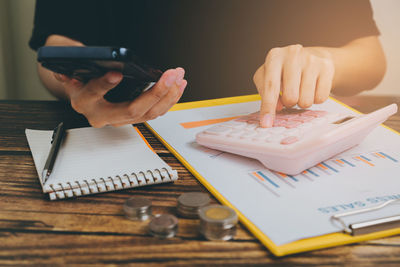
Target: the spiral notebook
pixel 94 160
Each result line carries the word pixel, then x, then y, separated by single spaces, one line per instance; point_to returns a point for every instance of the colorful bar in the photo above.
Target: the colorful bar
pixel 389 157
pixel 364 157
pixel 363 160
pixel 347 162
pixel 340 161
pixel 268 179
pixel 313 173
pixel 322 166
pixel 337 163
pixel 330 167
pixel 380 155
pixel 293 178
pixel 195 124
pixel 258 176
pixel 282 174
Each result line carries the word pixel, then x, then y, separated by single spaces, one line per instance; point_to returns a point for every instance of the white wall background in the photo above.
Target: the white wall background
pixel 18 77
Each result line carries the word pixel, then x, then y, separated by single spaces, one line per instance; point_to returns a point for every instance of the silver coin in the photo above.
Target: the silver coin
pixel 163 225
pixel 194 199
pixel 137 208
pixel 189 203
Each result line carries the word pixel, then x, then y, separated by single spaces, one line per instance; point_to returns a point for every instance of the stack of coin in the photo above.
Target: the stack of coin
pixel 190 203
pixel 163 226
pixel 218 222
pixel 137 208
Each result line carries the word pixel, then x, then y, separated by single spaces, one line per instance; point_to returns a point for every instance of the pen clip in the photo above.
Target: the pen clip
pixel 55 132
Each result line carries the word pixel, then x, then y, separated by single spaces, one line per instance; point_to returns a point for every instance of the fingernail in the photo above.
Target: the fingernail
pixel 169 81
pixel 179 76
pixel 113 78
pixel 182 86
pixel 267 120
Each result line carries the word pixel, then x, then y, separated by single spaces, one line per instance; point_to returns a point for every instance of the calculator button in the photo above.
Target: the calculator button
pixel 309 113
pixel 217 130
pixel 303 118
pixel 291 124
pixel 279 123
pixel 315 113
pixel 281 117
pixel 291 116
pixel 289 140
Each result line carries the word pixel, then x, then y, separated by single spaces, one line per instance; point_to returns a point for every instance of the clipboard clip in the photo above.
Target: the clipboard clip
pixel 366 227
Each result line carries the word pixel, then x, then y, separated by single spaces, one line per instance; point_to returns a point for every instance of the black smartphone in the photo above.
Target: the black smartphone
pixel 85 62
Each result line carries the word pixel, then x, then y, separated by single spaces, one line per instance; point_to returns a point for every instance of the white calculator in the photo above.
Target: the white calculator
pixel 298 140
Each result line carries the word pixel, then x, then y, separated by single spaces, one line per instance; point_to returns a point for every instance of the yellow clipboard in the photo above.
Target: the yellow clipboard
pixel 319 242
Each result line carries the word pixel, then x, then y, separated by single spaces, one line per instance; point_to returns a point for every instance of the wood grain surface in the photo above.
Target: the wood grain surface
pixel 91 230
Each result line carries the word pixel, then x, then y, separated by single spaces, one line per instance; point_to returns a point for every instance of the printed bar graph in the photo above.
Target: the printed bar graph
pixel 261 175
pixel 277 182
pixel 329 167
pixel 313 173
pixel 350 164
pixel 387 156
pixel 364 157
pixel 365 161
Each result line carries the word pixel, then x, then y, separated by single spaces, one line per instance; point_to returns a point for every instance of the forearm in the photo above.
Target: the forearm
pixel 360 65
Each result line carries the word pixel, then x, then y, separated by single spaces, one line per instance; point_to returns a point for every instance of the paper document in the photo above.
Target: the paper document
pixel 289 208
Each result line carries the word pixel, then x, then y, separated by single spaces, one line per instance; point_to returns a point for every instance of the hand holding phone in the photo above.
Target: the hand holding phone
pixel 90 84
pixel 88 98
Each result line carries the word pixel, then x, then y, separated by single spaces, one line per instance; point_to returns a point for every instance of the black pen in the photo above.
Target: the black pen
pixel 56 140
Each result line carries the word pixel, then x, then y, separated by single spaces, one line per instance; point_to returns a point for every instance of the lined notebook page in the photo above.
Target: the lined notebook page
pixel 90 153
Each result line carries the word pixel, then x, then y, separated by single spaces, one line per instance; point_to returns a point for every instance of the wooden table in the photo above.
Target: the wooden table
pixel 93 230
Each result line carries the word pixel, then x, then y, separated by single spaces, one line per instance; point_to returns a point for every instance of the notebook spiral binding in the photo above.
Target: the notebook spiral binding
pixel 105 184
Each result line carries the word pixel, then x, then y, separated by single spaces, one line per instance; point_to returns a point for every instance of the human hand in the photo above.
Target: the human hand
pixel 88 99
pixel 293 75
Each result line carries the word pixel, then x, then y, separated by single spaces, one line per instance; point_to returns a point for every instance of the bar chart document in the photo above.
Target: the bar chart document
pixel 286 208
